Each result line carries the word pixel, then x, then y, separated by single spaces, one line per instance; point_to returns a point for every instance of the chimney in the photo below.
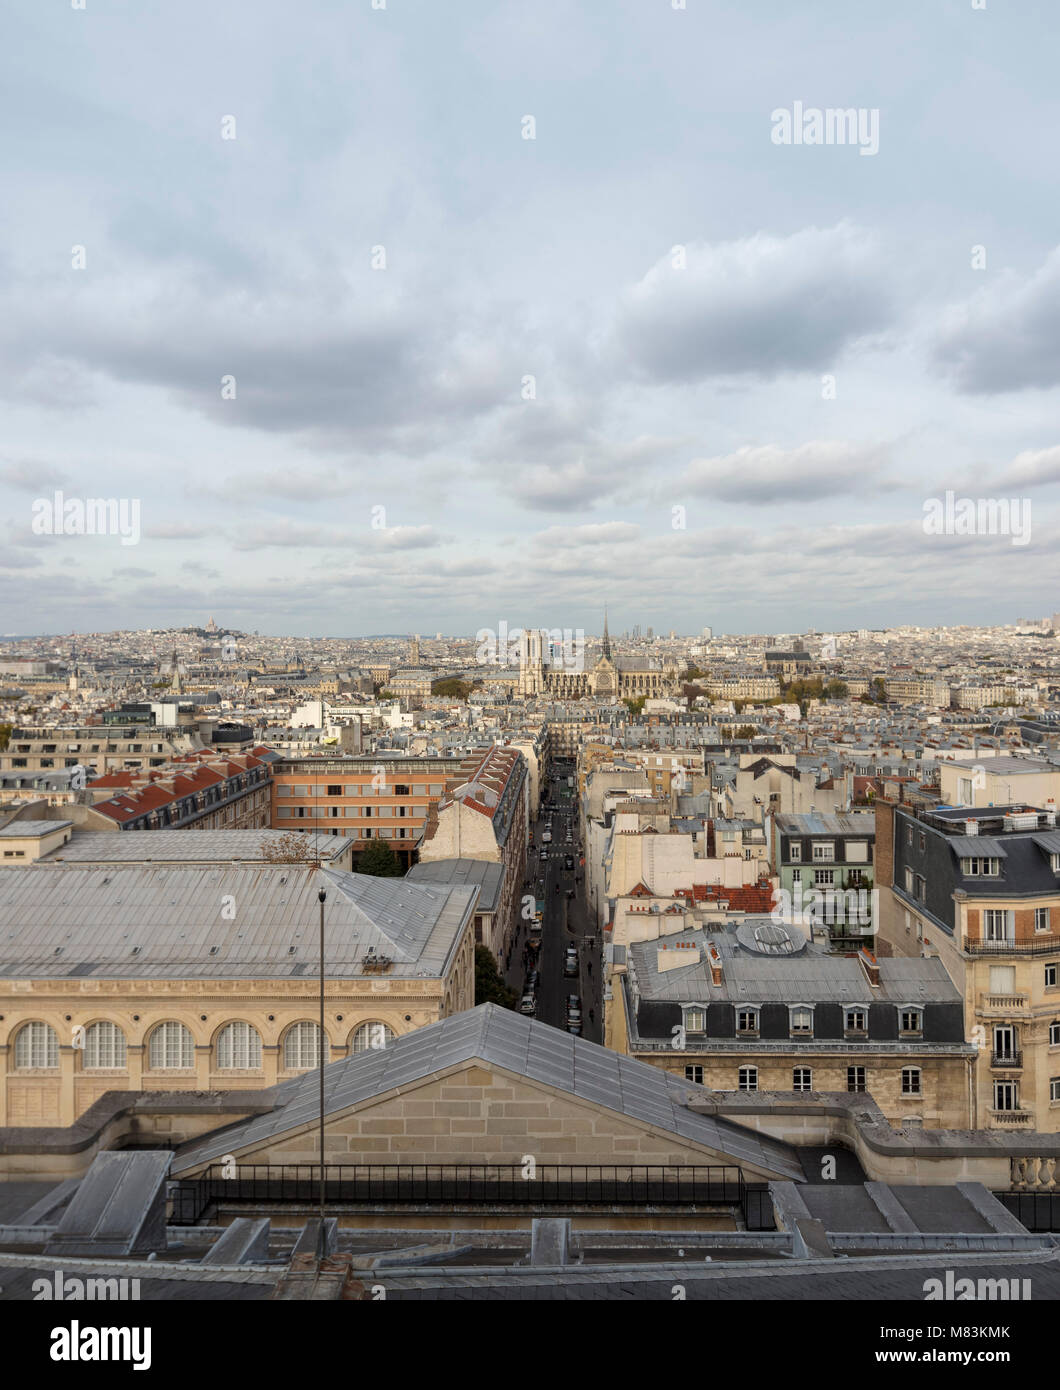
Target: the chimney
pixel 715 964
pixel 870 966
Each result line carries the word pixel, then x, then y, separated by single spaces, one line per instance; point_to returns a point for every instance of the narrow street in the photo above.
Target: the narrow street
pixel 565 920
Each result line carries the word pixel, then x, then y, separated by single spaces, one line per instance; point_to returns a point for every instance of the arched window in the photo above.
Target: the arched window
pixel 371 1037
pixel 171 1046
pixel 301 1047
pixel 37 1045
pixel 104 1046
pixel 238 1047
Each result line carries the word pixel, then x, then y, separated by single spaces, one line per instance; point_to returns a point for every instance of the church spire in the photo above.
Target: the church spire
pixel 607 639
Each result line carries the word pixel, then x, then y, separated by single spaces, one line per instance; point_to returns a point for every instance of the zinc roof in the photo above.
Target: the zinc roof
pixel 155 921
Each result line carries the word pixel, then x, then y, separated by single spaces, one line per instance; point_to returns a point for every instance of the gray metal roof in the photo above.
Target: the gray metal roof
pixel 524 1046
pixel 186 846
pixel 815 823
pixel 976 847
pixel 488 875
pixel 154 921
pixel 812 976
pixel 33 829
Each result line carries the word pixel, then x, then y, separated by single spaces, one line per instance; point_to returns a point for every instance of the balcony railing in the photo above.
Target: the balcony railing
pixel 1007 1003
pixel 1009 1060
pixel 974 946
pixel 1012 1117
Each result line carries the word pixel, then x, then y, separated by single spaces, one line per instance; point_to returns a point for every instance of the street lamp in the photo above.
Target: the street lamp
pixel 322 896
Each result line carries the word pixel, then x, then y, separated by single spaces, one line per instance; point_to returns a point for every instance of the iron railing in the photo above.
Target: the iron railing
pixel 541 1185
pixel 1006 1059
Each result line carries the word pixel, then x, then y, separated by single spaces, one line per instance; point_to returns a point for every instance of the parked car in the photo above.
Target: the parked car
pixel 528 1004
pixel 568 861
pixel 570 962
pixel 543 855
pixel 531 982
pixel 575 1028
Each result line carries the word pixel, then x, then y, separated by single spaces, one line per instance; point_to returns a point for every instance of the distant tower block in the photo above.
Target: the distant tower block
pixel 414 651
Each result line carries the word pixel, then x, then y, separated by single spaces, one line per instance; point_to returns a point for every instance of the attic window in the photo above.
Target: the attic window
pixel 135 951
pixel 214 950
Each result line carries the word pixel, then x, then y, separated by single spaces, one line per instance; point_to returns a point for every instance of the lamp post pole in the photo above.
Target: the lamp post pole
pixel 322 895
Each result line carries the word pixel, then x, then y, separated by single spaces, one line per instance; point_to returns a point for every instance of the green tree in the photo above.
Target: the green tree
pixel 691 692
pixel 6 730
pixel 837 690
pixel 636 706
pixel 450 685
pixel 379 860
pixel 746 731
pixel 489 987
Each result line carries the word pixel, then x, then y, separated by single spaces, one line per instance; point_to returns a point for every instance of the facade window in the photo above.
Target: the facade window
pixel 909 836
pixel 802 1020
pixel 824 878
pixel 36 1045
pixel 1050 977
pixel 795 851
pixel 921 888
pixel 301 1047
pixel 1054 1088
pixel 1041 919
pixel 105 1047
pixel 796 875
pixel 823 852
pixel 372 1037
pixel 171 1046
pixel 856 1079
pixel 856 1020
pixel 748 1079
pixel 695 1020
pixel 995 925
pixel 911 1081
pixel 1054 1033
pixel 1006 1095
pixel 238 1048
pixel 747 1020
pixel 334 791
pixel 911 1021
pixel 694 1073
pixel 909 881
pixel 802 1079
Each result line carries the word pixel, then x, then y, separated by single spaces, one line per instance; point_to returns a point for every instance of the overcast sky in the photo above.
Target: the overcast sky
pixel 539 404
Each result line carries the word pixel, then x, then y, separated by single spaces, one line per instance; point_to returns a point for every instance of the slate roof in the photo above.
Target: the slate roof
pixel 77 920
pixel 184 846
pixel 524 1046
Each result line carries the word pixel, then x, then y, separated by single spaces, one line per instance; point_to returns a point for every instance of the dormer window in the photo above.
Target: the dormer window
pixel 747 1022
pixel 910 1020
pixel 981 868
pixel 795 852
pixel 695 1020
pixel 801 1020
pixel 856 1020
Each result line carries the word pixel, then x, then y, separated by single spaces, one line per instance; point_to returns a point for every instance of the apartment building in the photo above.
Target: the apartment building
pixel 1000 781
pixel 834 856
pixel 484 816
pixel 755 1008
pixel 372 797
pixel 980 887
pixel 200 790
